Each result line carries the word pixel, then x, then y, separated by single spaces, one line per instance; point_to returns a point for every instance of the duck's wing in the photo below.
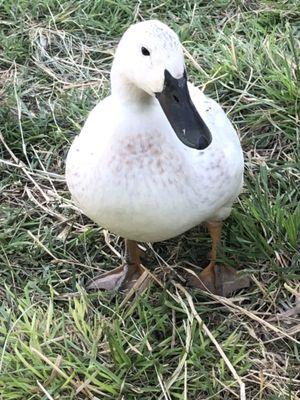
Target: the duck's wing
pixel 213 114
pixel 224 137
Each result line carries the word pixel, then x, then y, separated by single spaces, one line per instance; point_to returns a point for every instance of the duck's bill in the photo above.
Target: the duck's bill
pixel 181 113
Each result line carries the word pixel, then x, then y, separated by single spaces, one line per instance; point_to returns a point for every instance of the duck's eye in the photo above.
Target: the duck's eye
pixel 145 51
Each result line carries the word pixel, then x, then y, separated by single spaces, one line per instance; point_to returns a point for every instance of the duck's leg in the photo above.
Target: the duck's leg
pixel 124 277
pixel 217 279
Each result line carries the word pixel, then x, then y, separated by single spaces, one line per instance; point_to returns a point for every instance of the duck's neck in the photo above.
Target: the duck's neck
pixel 127 91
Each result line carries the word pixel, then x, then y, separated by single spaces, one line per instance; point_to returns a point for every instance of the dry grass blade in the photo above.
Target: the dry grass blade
pixel 212 338
pixel 46 393
pixel 61 372
pixel 249 314
pixel 24 169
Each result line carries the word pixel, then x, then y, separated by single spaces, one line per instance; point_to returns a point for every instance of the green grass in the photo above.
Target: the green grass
pixel 59 342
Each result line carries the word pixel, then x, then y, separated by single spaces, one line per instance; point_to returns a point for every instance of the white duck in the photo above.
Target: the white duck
pixel 156 157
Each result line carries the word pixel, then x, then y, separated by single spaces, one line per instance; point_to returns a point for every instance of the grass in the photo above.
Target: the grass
pixel 59 342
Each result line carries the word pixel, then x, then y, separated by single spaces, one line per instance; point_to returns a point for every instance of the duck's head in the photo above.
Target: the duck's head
pixel 149 60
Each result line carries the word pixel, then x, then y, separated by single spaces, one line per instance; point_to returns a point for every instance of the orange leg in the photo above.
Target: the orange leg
pixel 215 230
pixel 124 277
pixel 217 279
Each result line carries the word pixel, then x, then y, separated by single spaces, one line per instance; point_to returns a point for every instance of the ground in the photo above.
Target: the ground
pixel 58 341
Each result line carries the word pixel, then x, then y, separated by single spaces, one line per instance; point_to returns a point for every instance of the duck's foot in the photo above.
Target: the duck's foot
pixel 122 278
pixel 127 276
pixel 217 279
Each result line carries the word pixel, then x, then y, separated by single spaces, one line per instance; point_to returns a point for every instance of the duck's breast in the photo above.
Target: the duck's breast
pixel 132 175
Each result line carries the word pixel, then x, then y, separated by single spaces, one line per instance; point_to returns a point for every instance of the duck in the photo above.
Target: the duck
pixel 156 158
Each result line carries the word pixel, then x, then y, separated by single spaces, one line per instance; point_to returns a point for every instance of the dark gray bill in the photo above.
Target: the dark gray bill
pixel 178 107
